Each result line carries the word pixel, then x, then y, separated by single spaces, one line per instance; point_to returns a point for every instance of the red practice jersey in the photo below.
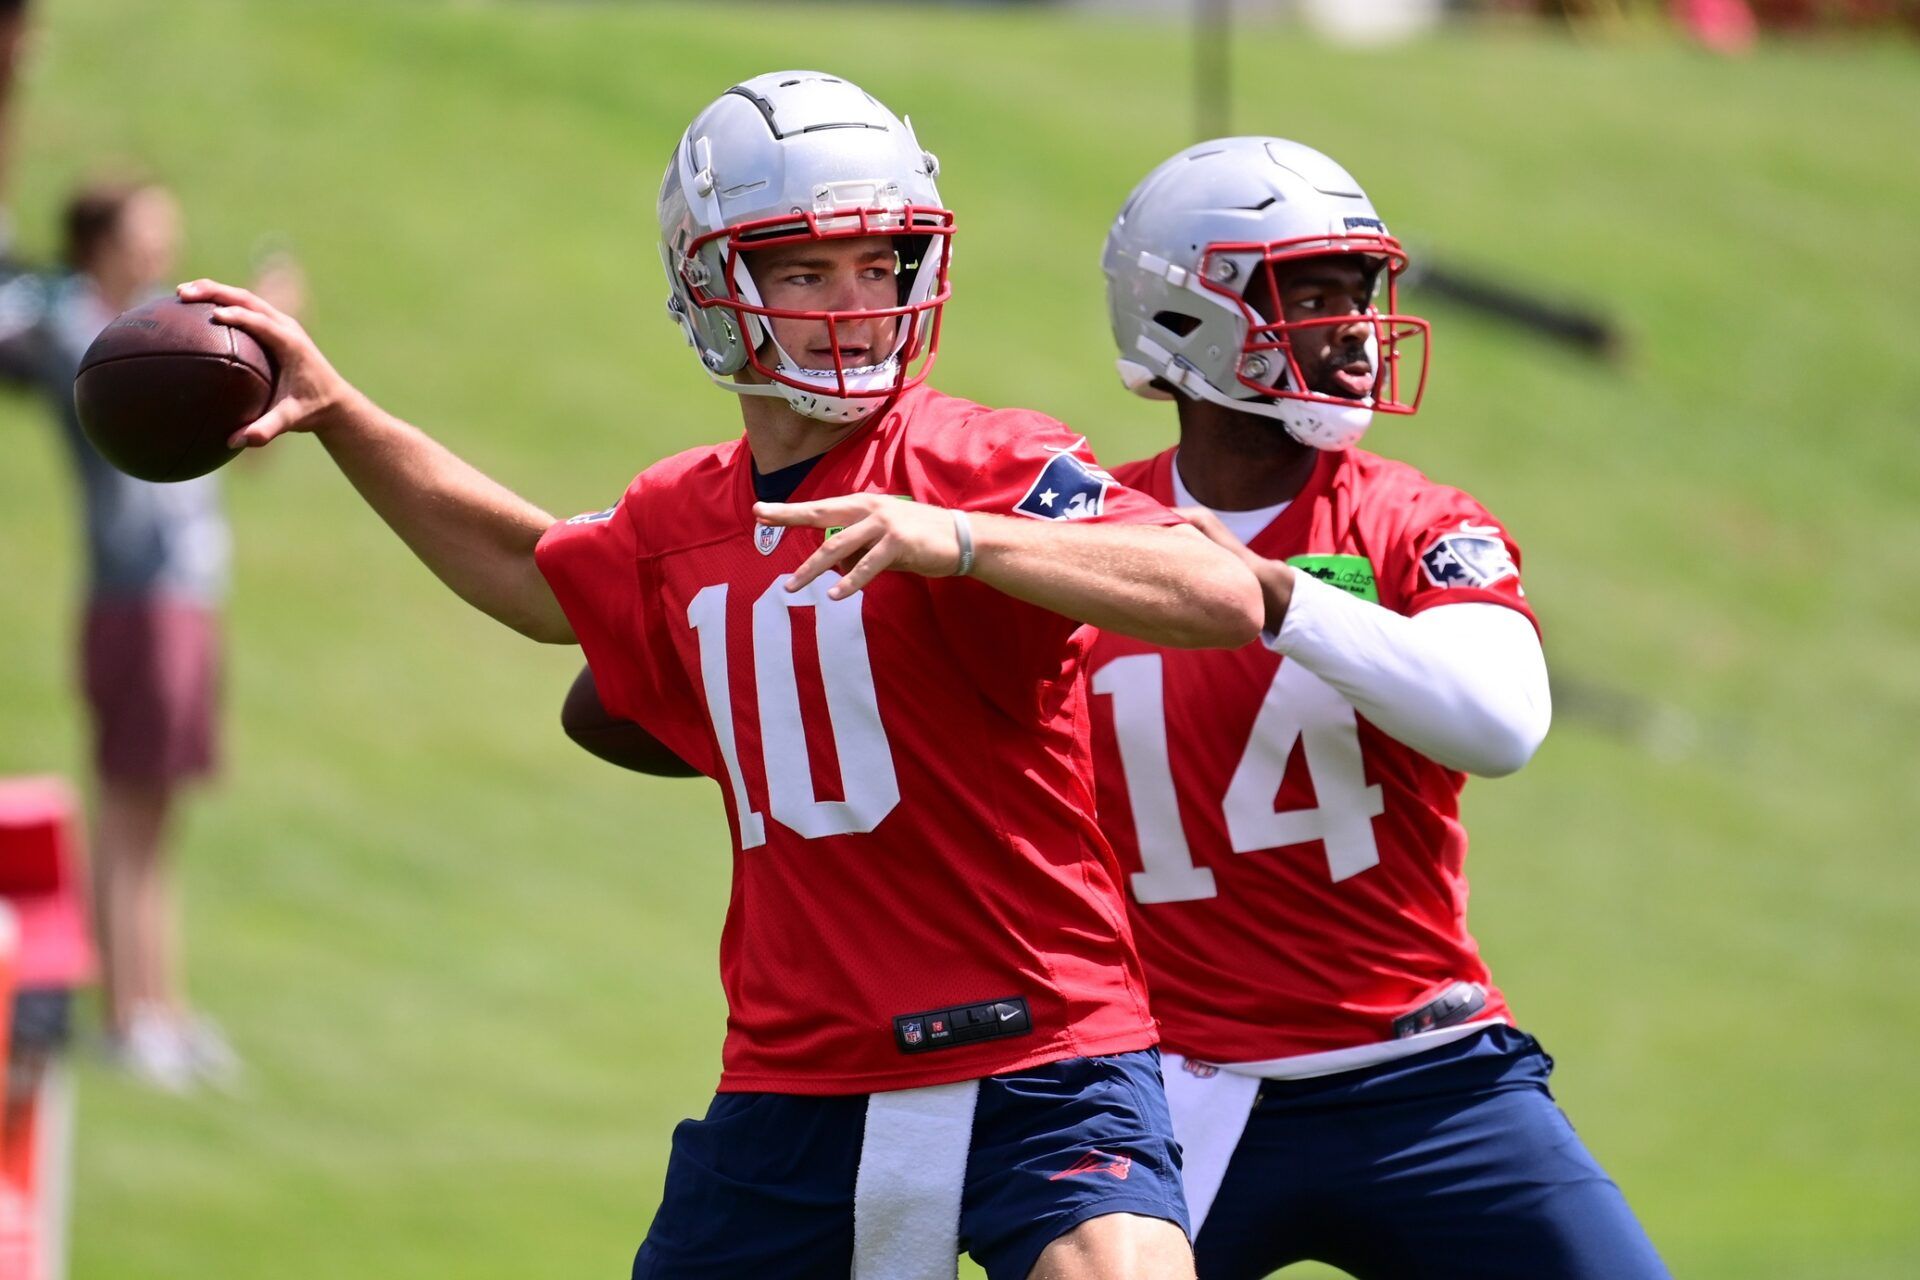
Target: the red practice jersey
pixel 1296 874
pixel 920 891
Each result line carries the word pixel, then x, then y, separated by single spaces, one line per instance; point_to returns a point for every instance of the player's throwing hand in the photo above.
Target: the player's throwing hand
pixel 307 391
pixel 877 533
pixel 1274 576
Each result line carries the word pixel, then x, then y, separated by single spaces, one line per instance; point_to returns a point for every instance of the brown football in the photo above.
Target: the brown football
pixel 163 386
pixel 617 741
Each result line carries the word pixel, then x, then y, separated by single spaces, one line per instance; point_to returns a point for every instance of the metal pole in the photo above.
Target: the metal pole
pixel 1213 67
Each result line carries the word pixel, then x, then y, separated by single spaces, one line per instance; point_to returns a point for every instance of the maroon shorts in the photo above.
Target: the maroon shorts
pixel 151 668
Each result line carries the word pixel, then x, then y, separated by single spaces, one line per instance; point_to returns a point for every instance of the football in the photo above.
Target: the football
pixel 617 741
pixel 163 387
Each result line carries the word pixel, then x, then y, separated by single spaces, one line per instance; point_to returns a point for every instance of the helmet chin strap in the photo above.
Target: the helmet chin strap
pixel 823 404
pixel 833 408
pixel 822 407
pixel 1324 426
pixel 1313 423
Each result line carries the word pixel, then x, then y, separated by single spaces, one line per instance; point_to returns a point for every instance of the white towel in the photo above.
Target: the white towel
pixel 906 1198
pixel 1210 1111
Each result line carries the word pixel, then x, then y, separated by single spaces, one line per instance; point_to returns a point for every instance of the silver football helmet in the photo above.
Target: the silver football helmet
pixel 788 157
pixel 1201 235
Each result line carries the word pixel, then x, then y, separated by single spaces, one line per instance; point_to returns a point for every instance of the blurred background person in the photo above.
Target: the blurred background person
pixel 13 37
pixel 150 649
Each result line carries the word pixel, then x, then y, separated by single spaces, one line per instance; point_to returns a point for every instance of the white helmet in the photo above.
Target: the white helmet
pixel 1197 233
pixel 796 156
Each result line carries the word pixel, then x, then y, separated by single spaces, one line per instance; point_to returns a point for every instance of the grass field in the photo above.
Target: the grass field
pixel 473 971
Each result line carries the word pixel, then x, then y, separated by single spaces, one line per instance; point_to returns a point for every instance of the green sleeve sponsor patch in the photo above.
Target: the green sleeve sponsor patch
pixel 1352 574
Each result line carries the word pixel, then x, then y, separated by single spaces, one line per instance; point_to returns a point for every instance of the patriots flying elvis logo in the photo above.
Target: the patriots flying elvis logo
pixel 1066 489
pixel 1472 556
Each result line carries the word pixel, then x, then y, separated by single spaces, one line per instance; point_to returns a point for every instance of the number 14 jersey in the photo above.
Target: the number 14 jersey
pixel 1297 875
pixel 907 771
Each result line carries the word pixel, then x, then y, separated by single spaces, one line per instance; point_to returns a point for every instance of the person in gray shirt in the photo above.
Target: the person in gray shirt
pixel 157 573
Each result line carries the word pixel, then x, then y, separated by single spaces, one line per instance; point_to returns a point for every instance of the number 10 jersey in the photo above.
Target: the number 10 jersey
pixel 920 891
pixel 1297 875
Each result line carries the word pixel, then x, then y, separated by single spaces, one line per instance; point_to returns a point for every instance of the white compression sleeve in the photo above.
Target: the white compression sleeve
pixel 1463 684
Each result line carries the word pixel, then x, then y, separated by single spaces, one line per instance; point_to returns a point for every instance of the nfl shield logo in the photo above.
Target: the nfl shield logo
pixel 767 536
pixel 910 1033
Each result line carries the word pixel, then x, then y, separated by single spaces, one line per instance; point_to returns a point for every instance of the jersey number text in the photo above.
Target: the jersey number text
pixel 1299 708
pixel 846 673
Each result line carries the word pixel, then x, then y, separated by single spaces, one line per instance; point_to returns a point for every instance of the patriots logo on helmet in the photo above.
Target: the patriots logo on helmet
pixel 1474 556
pixel 1066 489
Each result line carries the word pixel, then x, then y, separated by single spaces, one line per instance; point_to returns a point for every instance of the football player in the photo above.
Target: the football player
pixel 862 619
pixel 1347 1081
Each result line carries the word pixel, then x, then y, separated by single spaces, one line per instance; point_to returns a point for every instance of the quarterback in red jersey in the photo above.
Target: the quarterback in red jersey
pixel 913 685
pixel 1345 1079
pixel 863 620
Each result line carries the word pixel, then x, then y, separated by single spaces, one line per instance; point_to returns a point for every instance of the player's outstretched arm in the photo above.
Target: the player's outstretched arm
pixel 476 535
pixel 1465 685
pixel 1166 585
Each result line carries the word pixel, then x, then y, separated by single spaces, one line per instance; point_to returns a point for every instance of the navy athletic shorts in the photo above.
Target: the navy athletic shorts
pixel 1454 1164
pixel 764 1185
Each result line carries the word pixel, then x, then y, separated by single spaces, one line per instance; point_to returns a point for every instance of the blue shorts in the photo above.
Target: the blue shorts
pixel 1451 1163
pixel 763 1186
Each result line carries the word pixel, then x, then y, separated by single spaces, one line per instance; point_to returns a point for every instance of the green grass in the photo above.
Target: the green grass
pixel 473 971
